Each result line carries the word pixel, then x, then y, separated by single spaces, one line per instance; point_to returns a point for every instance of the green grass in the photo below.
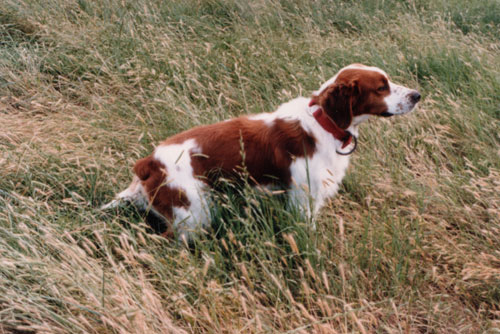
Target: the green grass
pixel 409 245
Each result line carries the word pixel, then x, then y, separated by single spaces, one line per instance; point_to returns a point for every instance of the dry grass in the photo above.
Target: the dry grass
pixel 410 245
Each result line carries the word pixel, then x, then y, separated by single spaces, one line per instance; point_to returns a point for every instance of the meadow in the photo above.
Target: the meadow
pixel 411 244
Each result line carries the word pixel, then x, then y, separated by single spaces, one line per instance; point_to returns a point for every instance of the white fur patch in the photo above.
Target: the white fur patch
pixel 267 117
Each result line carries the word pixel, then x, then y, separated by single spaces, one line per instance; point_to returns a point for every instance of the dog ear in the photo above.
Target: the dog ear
pixel 337 101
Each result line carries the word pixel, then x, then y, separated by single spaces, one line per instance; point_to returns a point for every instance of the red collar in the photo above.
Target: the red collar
pixel 330 126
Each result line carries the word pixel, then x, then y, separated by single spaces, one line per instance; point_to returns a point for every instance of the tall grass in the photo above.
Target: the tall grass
pixel 409 245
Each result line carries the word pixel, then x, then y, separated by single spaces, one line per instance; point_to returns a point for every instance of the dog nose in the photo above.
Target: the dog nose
pixel 415 96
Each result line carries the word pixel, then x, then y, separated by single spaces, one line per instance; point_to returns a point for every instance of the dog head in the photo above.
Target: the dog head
pixel 357 92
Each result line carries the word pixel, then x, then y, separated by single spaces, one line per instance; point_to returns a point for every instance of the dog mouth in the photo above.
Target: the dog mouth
pixel 401 110
pixel 386 114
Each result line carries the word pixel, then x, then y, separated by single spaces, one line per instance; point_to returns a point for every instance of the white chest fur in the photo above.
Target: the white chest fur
pixel 317 177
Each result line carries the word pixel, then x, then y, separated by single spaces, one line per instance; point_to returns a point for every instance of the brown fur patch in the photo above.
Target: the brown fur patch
pixel 268 150
pixel 369 100
pixel 337 101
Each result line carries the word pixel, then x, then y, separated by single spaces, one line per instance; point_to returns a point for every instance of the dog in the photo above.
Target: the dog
pixel 303 147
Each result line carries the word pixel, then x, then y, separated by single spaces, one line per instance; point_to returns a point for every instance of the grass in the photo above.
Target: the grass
pixel 409 245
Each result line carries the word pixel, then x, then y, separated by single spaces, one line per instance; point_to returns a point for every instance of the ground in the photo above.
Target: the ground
pixel 409 245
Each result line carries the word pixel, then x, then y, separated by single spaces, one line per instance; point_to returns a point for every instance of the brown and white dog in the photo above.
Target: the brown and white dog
pixel 303 146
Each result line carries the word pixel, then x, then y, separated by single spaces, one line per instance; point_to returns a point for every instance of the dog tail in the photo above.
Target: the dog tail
pixel 135 192
pixel 132 194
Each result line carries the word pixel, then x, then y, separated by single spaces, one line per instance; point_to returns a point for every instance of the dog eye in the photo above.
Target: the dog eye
pixel 382 88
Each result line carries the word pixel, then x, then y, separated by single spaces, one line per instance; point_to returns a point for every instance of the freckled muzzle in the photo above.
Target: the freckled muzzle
pixel 401 100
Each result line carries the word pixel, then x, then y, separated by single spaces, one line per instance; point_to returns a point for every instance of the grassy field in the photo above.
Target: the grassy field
pixel 411 244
